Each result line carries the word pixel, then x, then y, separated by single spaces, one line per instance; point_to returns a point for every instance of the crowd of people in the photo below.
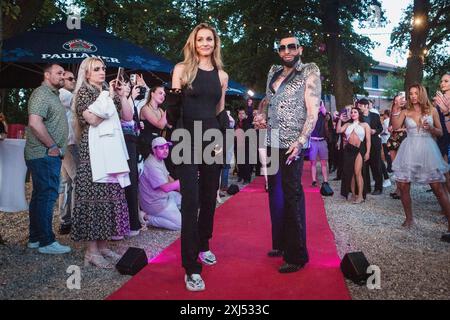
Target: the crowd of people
pixel 105 151
pixel 409 141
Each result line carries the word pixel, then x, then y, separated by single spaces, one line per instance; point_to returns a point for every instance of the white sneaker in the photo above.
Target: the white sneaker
pixel 194 282
pixel 133 233
pixel 207 257
pixel 387 183
pixel 54 248
pixel 33 245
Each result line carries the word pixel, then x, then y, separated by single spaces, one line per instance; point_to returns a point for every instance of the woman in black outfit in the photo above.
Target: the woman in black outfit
pixel 203 83
pixel 356 153
pixel 154 119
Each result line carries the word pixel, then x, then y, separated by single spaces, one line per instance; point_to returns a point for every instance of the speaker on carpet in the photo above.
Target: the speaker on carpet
pixel 233 189
pixel 354 267
pixel 132 261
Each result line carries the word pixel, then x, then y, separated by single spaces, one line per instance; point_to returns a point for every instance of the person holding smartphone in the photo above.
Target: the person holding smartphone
pixel 419 159
pixel 101 209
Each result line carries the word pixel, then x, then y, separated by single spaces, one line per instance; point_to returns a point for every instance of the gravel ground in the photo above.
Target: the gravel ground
pixel 27 274
pixel 414 263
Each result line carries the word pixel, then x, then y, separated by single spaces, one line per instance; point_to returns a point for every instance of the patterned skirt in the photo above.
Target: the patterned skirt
pixel 100 209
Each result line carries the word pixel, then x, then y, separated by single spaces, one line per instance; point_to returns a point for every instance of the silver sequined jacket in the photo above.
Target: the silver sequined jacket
pixel 286 108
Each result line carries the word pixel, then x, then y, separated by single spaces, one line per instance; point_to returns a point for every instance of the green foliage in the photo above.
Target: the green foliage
pixel 394 83
pixel 15 100
pixel 437 60
pixel 249 30
pixel 9 8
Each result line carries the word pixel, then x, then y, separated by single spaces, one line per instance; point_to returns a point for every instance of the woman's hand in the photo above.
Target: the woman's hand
pixel 426 126
pixel 140 81
pixel 259 122
pixel 112 86
pixel 123 89
pixel 443 102
pixel 367 156
pixel 135 92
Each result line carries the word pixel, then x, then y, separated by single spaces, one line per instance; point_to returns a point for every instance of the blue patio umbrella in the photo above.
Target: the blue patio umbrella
pixel 24 55
pixel 56 43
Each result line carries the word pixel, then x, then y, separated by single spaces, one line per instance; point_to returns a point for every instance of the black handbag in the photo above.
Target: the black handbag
pixel 326 190
pixel 395 140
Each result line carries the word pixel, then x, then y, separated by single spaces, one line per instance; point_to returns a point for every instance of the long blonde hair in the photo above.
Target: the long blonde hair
pixel 191 59
pixel 426 106
pixel 85 68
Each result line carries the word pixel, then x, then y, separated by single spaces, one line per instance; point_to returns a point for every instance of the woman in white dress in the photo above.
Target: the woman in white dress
pixel 419 159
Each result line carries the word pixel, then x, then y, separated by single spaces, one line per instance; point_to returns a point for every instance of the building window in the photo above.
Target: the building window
pixel 375 81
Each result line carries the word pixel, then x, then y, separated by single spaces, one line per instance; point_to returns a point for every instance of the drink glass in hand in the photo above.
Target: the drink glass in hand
pixel 19 134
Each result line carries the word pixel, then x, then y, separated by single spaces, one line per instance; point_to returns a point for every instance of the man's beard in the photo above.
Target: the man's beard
pixel 60 85
pixel 292 63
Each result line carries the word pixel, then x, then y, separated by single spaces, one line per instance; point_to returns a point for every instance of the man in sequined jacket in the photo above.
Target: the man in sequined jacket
pixel 293 93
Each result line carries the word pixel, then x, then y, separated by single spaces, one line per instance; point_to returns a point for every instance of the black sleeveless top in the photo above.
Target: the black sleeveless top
pixel 200 101
pixel 150 130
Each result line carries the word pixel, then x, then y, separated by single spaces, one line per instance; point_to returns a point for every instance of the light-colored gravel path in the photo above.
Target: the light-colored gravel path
pixel 414 263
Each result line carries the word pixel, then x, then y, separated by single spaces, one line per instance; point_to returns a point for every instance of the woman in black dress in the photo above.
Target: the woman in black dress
pixel 203 83
pixel 154 119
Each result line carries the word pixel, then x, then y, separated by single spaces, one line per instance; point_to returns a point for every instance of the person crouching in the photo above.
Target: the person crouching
pixel 159 193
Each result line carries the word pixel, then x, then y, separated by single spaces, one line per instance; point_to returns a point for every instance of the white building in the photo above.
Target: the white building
pixel 375 85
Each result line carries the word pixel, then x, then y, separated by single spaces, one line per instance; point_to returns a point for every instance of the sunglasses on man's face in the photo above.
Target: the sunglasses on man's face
pixel 70 79
pixel 98 68
pixel 290 46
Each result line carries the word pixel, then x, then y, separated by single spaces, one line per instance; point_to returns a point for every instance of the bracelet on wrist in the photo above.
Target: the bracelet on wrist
pixel 52 146
pixel 302 140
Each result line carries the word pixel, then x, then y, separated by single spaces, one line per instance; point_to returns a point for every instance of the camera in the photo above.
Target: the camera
pixel 142 91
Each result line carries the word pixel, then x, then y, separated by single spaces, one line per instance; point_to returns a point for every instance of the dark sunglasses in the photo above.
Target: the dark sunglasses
pixel 290 46
pixel 98 68
pixel 70 79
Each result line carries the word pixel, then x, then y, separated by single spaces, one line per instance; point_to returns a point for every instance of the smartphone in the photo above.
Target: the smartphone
pixel 120 76
pixel 133 79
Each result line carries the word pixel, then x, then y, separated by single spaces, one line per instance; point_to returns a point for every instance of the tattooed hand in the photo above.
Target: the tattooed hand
pixel 312 100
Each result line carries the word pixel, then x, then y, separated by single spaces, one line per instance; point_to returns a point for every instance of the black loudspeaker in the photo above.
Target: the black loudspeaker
pixel 354 267
pixel 132 261
pixel 233 189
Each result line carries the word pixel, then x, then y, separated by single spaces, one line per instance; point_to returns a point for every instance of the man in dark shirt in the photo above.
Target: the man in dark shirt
pixel 374 162
pixel 244 168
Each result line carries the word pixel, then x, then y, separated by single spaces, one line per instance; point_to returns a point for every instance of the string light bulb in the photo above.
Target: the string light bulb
pixel 417 21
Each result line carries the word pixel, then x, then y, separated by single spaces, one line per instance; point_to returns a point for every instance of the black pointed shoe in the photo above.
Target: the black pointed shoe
pixel 290 267
pixel 275 253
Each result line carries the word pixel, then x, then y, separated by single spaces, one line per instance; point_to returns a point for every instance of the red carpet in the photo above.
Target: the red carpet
pixel 241 240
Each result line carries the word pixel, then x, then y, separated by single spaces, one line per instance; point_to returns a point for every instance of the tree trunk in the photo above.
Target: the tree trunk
pixel 341 84
pixel 419 35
